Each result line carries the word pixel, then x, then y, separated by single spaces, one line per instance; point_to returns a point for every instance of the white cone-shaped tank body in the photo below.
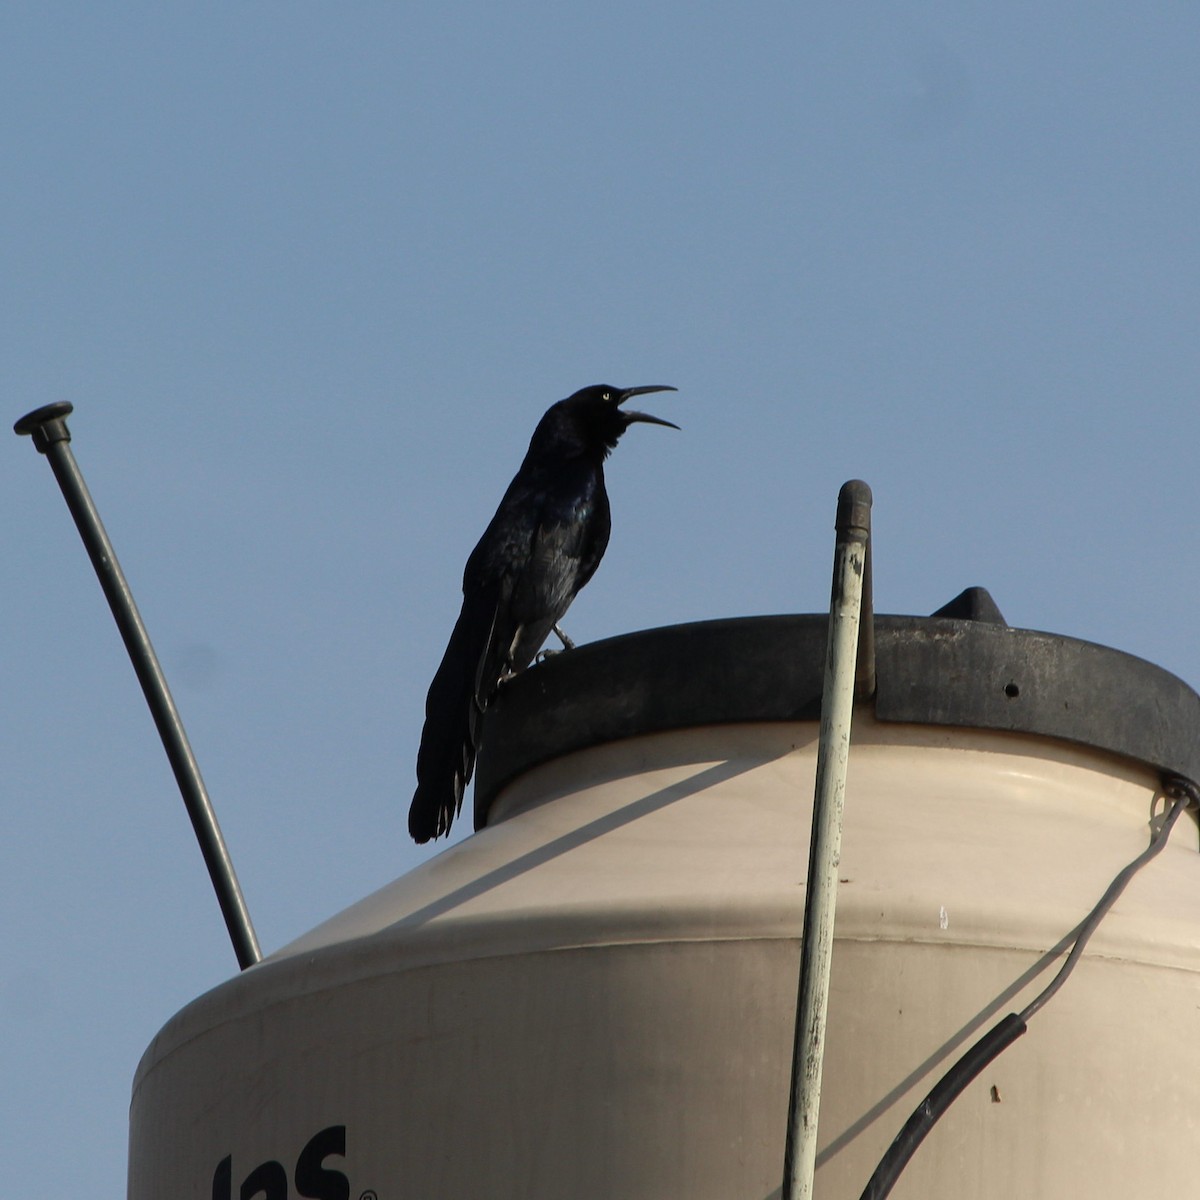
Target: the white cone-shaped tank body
pixel 594 996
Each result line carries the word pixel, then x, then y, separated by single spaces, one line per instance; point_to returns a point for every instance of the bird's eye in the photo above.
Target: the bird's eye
pixel 607 396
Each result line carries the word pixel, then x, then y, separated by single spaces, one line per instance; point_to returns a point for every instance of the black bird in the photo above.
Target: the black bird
pixel 542 546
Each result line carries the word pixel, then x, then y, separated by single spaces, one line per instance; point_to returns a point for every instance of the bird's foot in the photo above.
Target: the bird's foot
pixel 567 644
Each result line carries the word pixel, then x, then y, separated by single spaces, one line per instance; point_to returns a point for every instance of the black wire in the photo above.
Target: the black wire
pixel 1001 1036
pixel 945 1092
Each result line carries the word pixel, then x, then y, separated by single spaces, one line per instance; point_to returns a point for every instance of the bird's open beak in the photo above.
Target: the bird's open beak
pixel 632 418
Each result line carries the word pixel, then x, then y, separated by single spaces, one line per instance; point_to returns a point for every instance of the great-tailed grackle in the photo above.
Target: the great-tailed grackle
pixel 541 547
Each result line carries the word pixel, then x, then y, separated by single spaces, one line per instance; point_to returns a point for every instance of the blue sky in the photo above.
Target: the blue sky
pixel 311 272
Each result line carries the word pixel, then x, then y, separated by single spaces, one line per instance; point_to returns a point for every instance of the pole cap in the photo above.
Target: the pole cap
pixel 46 425
pixel 854 510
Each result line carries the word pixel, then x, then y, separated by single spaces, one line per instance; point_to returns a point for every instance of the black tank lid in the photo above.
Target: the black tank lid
pixel 976 673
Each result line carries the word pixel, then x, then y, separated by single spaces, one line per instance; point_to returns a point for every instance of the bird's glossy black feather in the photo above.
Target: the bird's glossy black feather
pixel 541 547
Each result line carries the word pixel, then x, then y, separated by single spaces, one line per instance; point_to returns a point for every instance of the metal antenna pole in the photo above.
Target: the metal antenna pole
pixel 824 855
pixel 48 428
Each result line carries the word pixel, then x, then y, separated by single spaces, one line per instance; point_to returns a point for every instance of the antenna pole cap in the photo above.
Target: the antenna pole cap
pixel 46 425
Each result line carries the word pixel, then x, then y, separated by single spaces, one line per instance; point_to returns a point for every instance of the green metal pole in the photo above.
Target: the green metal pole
pixel 48 428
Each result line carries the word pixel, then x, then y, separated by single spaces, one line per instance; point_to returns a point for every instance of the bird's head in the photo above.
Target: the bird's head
pixel 597 416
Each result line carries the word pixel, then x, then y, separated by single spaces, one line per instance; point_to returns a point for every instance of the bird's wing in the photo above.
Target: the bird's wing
pixel 538 550
pixel 567 543
pixel 551 577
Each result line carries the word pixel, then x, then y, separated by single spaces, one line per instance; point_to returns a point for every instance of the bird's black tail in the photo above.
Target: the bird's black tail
pixel 453 709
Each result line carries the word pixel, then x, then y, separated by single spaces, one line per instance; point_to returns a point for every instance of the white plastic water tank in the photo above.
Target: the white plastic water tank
pixel 594 995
